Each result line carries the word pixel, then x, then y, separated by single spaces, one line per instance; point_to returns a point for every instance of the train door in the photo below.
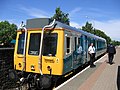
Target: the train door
pixel 89 43
pixel 68 65
pixel 80 42
pixel 78 54
pixel 94 41
pixel 75 54
pixel 19 51
pixel 33 51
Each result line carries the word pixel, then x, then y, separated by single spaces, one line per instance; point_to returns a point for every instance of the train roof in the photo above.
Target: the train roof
pixel 61 25
pixel 41 22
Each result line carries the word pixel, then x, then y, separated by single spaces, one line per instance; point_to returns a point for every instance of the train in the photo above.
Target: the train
pixel 46 50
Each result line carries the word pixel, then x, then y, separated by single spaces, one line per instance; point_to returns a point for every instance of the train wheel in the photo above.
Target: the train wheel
pixel 45 81
pixel 13 75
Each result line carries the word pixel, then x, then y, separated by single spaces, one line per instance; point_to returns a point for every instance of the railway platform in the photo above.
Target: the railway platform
pixel 102 77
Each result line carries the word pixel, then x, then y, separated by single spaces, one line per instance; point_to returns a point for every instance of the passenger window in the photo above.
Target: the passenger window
pixel 80 48
pixel 34 44
pixel 68 45
pixel 80 41
pixel 75 43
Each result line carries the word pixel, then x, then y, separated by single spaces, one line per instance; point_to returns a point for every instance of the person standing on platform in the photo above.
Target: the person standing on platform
pixel 111 52
pixel 91 51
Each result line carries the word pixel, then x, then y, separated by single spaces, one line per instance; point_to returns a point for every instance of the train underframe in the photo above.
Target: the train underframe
pixel 33 80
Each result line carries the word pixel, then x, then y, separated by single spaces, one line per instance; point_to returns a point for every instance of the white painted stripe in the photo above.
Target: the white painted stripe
pixel 76 75
pixel 70 79
pixel 101 59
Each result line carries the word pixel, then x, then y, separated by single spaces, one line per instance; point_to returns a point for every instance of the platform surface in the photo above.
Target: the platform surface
pixel 102 77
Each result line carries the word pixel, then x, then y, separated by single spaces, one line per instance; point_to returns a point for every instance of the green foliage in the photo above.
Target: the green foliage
pixel 7 32
pixel 116 43
pixel 61 16
pixel 103 35
pixel 88 27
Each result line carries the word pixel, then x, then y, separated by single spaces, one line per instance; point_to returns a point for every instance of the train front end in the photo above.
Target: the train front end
pixel 39 54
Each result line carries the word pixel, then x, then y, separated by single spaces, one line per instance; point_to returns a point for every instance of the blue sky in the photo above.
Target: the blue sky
pixel 103 14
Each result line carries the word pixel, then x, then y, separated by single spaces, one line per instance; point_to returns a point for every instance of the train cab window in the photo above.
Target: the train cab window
pixel 21 43
pixel 34 43
pixel 68 45
pixel 50 44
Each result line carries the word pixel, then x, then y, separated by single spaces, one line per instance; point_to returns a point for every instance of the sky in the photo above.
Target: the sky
pixel 103 14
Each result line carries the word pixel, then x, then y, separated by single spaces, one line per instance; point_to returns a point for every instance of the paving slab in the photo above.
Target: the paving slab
pixel 103 77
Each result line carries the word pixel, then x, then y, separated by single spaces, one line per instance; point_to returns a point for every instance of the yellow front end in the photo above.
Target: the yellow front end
pixel 50 63
pixel 18 53
pixel 55 63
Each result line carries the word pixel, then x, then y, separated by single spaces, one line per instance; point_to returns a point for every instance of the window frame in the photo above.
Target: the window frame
pixel 70 49
pixel 38 45
pixel 51 45
pixel 20 45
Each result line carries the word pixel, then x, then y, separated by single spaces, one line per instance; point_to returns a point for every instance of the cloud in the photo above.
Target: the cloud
pixel 74 11
pixel 110 27
pixel 35 12
pixel 12 21
pixel 75 24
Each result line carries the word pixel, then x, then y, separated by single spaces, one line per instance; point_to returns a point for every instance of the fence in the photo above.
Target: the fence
pixel 6 63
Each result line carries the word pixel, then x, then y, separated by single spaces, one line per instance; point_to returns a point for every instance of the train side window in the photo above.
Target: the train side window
pixel 68 45
pixel 80 41
pixel 75 43
pixel 34 43
pixel 21 43
pixel 97 45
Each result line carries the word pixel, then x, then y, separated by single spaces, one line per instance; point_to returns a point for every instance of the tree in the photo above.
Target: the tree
pixel 100 33
pixel 61 16
pixel 7 32
pixel 115 42
pixel 89 28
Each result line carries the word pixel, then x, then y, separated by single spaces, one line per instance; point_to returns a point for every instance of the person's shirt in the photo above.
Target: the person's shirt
pixel 79 50
pixel 91 49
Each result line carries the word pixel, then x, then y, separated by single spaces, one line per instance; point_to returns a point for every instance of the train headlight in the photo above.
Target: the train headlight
pixel 32 68
pixel 20 65
pixel 49 68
